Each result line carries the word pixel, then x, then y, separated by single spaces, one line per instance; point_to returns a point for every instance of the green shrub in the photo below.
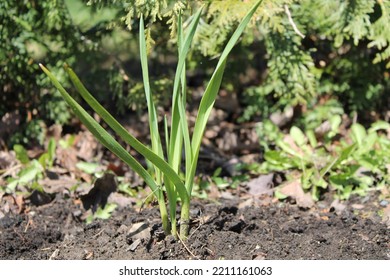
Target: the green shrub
pixel 31 31
pixel 345 51
pixel 39 31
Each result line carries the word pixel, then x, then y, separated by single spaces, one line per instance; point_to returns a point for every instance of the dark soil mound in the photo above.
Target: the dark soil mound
pixel 277 231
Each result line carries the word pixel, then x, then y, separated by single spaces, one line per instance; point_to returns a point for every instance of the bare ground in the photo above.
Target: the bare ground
pixel 224 230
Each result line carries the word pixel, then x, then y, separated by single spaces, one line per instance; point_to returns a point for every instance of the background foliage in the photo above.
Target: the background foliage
pixel 344 54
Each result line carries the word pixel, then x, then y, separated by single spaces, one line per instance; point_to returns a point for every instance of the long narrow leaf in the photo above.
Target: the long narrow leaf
pixel 154 132
pixel 211 92
pixel 128 138
pixel 176 127
pixel 153 121
pixel 182 105
pixel 101 134
pixel 213 86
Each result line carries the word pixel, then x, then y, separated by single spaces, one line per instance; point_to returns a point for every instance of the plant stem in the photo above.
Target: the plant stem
pixel 174 228
pixel 164 214
pixel 185 220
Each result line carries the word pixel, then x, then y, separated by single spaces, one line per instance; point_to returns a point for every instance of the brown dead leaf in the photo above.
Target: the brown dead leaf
pixel 8 203
pixel 227 195
pixel 280 119
pixel 7 159
pixel 294 189
pixel 214 192
pixel 86 145
pixel 57 186
pixel 386 215
pixel 119 169
pixel 259 256
pixel 19 200
pixel 35 153
pixel 290 141
pixel 324 128
pixel 55 132
pixel 246 203
pixel 261 185
pixel 121 200
pixel 58 170
pixel 84 176
pixel 139 231
pixel 67 158
pixel 338 206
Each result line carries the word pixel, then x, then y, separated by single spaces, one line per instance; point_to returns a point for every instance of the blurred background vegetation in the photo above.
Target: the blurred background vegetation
pixel 343 56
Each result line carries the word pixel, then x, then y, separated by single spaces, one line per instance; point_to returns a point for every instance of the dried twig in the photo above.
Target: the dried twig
pixel 5 172
pixel 188 250
pixel 292 22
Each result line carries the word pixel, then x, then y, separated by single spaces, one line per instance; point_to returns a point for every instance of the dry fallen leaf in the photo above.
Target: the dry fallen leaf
pixel 214 192
pixel 67 158
pixel 259 256
pixel 139 231
pixel 261 185
pixel 338 206
pixel 280 119
pixel 324 128
pixel 87 145
pixel 291 143
pixel 19 200
pixel 57 186
pixel 134 245
pixel 10 203
pixel 386 215
pixel 357 206
pixel 121 200
pixel 7 159
pixel 246 203
pixel 294 189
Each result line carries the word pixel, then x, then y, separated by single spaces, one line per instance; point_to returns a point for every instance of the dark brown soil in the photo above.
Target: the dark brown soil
pixel 224 231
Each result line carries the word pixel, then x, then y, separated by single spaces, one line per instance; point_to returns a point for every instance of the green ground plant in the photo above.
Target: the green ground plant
pixel 167 165
pixel 32 170
pixel 354 164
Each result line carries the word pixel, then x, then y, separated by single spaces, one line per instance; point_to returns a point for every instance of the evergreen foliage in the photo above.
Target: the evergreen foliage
pixel 345 51
pixel 31 32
